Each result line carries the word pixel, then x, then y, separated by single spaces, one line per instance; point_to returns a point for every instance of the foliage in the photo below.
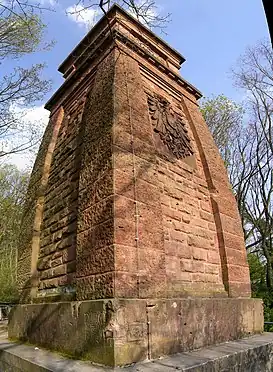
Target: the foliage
pixel 13 186
pixel 21 33
pixel 224 118
pixel 19 36
pixel 259 288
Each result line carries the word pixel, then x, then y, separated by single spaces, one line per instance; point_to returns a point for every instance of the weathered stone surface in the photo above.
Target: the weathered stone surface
pixel 195 323
pixel 71 328
pixel 119 332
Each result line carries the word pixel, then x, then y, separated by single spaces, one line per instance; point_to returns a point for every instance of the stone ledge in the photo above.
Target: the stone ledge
pixel 249 354
pixel 120 332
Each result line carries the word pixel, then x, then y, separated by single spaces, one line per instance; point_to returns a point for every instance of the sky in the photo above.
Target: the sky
pixel 210 34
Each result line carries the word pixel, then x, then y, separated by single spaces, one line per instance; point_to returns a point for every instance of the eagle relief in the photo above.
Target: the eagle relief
pixel 170 127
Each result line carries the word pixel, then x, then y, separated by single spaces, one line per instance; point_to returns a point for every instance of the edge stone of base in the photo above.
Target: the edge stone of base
pixel 249 354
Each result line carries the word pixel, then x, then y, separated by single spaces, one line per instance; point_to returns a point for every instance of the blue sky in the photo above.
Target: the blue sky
pixel 211 34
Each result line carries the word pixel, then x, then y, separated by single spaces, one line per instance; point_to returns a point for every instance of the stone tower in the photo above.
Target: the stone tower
pixel 131 245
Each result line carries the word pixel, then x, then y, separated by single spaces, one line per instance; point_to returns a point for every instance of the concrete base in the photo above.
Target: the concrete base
pixel 253 354
pixel 121 332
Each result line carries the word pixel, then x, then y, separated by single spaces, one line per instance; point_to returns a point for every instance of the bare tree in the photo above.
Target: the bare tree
pixel 22 88
pixel 248 143
pixel 22 9
pixel 256 77
pixel 146 11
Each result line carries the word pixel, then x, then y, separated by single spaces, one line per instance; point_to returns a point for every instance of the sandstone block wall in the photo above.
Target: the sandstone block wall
pixel 129 196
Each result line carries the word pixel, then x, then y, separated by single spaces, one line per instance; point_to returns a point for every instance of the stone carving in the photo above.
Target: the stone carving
pixel 170 127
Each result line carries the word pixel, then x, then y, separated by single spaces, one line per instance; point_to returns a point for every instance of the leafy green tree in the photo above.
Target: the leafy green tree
pixel 13 186
pixel 224 118
pixel 258 273
pixel 21 33
pixel 19 36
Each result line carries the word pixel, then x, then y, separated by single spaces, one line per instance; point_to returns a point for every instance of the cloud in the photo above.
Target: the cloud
pixel 35 115
pixel 148 12
pixel 83 17
pixel 48 2
pixel 32 125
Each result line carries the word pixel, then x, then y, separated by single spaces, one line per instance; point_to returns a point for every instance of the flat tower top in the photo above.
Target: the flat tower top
pixel 118 15
pixel 117 25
